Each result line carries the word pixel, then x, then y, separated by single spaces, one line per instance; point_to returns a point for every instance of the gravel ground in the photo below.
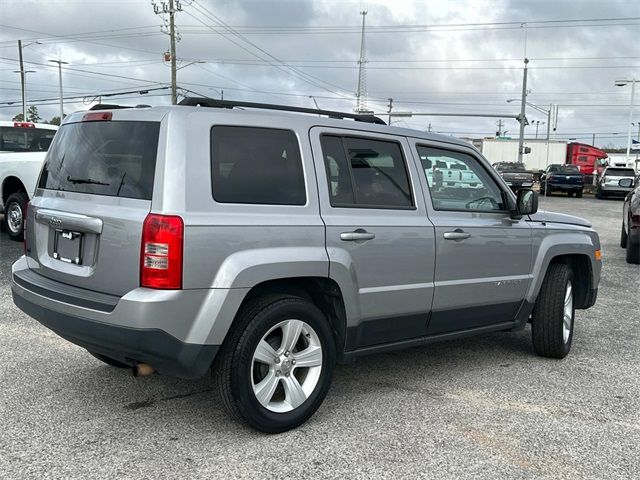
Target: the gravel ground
pixel 485 407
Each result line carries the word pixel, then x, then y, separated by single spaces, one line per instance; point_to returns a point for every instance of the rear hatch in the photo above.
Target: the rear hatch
pixel 85 223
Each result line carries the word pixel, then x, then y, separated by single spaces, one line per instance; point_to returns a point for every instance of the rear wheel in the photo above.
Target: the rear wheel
pixel 14 214
pixel 570 193
pixel 579 193
pixel 553 316
pixel 276 365
pixel 599 194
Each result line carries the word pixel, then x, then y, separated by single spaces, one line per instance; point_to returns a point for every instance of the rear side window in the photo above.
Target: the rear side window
pixel 256 165
pixel 116 159
pixel 620 172
pixel 23 139
pixel 363 172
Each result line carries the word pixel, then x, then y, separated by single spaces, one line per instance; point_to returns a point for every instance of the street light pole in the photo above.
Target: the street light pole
pixel 60 63
pixel 622 83
pixel 22 82
pixel 23 78
pixel 523 105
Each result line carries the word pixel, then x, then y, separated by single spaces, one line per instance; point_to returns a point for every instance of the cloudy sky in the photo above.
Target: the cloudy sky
pixel 457 56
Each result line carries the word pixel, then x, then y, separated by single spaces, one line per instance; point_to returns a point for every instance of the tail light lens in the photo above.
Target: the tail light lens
pixel 161 252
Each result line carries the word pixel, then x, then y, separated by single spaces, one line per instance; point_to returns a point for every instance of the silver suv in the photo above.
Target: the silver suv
pixel 267 245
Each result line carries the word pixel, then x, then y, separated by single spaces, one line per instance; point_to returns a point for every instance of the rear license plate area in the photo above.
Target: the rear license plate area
pixel 67 246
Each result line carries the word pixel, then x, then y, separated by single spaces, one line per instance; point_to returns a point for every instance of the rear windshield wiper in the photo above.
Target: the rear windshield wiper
pixel 77 180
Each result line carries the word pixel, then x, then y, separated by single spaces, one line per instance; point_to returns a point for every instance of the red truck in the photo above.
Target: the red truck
pixel 586 157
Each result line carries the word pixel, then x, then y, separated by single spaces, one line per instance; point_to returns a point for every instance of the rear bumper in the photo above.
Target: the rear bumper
pixel 168 355
pixel 615 190
pixel 177 332
pixel 565 186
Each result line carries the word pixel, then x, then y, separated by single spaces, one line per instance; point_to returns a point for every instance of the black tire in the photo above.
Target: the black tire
pixel 599 194
pixel 548 315
pixel 570 193
pixel 109 361
pixel 17 201
pixel 232 368
pixel 633 249
pixel 623 237
pixel 579 193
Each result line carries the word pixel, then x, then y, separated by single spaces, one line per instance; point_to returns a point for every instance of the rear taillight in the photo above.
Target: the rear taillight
pixel 23 125
pixel 161 252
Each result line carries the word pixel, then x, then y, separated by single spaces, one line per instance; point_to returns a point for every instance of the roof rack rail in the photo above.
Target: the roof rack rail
pixel 213 103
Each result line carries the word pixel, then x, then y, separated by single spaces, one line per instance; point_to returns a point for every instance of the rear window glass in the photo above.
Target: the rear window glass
pixel 569 169
pixel 620 172
pixel 256 165
pixel 116 159
pixel 19 139
pixel 514 167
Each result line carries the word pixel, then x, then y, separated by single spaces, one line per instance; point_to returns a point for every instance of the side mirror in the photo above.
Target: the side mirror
pixel 626 183
pixel 527 201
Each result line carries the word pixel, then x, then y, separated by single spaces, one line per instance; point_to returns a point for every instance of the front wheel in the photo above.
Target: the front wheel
pixel 276 365
pixel 15 210
pixel 570 193
pixel 553 316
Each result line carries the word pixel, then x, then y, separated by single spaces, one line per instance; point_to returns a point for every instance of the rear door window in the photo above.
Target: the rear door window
pixel 116 159
pixel 24 139
pixel 256 166
pixel 364 172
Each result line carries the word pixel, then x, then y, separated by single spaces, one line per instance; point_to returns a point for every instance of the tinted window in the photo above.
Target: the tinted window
pixel 584 149
pixel 116 159
pixel 513 167
pixel 18 139
pixel 569 169
pixel 366 173
pixel 256 165
pixel 582 158
pixel 458 182
pixel 620 172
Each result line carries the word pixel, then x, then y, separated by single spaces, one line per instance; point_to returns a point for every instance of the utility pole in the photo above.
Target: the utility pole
pixel 522 117
pixel 593 140
pixel 171 9
pixel 389 111
pixel 22 80
pixel 429 128
pixel 60 63
pixel 361 96
pixel 500 124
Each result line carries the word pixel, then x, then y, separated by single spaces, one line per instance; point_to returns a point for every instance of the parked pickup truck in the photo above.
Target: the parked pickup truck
pixel 446 174
pixel 23 147
pixel 562 178
pixel 514 174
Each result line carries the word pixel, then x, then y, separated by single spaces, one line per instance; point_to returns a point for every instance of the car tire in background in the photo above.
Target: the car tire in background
pixel 15 209
pixel 570 193
pixel 553 316
pixel 623 237
pixel 633 249
pixel 256 372
pixel 599 194
pixel 579 193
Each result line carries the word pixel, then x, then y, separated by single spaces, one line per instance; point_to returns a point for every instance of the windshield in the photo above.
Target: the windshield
pixel 116 159
pixel 22 139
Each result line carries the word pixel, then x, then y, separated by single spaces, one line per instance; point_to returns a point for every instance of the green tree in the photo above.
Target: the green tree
pixel 32 115
pixel 55 120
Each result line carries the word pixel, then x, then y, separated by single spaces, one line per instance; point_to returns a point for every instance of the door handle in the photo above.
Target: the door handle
pixel 356 235
pixel 457 234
